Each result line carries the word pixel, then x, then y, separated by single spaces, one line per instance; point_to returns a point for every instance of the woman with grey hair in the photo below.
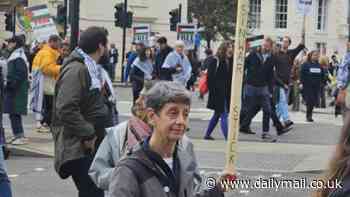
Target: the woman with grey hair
pixel 177 66
pixel 165 163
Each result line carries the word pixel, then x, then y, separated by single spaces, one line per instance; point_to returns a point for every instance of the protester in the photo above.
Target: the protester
pixel 295 93
pixel 311 77
pixel 45 72
pixel 208 60
pixel 196 66
pixel 81 113
pixel 259 68
pixel 64 53
pixel 130 58
pixel 343 79
pixel 113 55
pixel 119 140
pixel 219 88
pixel 5 187
pixel 16 89
pixel 285 60
pixel 164 50
pixel 164 164
pixel 176 66
pixel 338 167
pixel 324 63
pixel 141 70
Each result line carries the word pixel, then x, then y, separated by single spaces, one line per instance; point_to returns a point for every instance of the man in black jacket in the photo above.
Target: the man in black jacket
pixel 259 68
pixel 165 49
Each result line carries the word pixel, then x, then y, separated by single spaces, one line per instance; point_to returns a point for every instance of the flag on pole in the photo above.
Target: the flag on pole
pixel 304 7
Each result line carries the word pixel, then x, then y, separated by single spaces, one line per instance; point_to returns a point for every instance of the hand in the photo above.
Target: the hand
pixel 90 144
pixel 341 97
pixel 228 177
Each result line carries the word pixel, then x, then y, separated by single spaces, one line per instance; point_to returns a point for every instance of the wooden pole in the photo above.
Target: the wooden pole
pixel 236 90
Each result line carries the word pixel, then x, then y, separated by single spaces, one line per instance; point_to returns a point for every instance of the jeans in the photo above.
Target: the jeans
pixel 282 105
pixel 17 125
pixel 214 121
pixel 79 170
pixel 5 188
pixel 126 72
pixel 257 97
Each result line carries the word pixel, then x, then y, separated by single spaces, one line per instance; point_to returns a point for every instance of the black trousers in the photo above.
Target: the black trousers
pixel 256 98
pixel 47 109
pixel 79 170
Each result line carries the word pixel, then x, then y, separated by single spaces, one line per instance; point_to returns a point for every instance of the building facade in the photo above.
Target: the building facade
pixel 326 25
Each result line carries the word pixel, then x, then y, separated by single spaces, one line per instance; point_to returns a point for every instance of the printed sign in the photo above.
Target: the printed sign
pixel 187 33
pixel 142 33
pixel 37 19
pixel 304 7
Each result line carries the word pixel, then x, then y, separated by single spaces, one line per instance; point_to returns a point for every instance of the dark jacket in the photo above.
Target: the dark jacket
pixel 285 62
pixel 311 76
pixel 16 89
pixel 113 55
pixel 160 58
pixel 144 173
pixel 258 72
pixel 219 85
pixel 78 114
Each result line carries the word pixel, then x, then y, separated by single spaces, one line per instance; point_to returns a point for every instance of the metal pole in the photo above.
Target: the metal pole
pixel 14 21
pixel 65 22
pixel 124 21
pixel 180 13
pixel 236 90
pixel 74 12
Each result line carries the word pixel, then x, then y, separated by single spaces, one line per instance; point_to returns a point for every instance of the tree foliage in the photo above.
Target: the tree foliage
pixel 216 16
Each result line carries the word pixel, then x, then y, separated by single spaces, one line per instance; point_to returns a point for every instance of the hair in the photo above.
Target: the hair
pixel 289 39
pixel 166 92
pixel 142 53
pixel 54 38
pixel 179 43
pixel 309 56
pixel 19 40
pixel 208 52
pixel 91 38
pixel 162 40
pixel 269 39
pixel 137 108
pixel 339 166
pixel 221 52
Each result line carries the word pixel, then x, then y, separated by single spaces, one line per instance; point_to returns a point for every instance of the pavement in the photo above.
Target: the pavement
pixel 306 149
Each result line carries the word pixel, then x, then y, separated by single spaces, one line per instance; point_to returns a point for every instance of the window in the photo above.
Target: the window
pixel 321 47
pixel 281 14
pixel 321 15
pixel 254 14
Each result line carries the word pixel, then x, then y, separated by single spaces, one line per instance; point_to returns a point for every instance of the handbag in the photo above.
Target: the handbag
pixel 203 84
pixel 49 85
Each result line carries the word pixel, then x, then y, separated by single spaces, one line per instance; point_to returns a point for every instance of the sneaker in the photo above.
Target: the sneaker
pixel 19 141
pixel 289 123
pixel 309 120
pixel 266 137
pixel 208 138
pixel 43 129
pixel 284 130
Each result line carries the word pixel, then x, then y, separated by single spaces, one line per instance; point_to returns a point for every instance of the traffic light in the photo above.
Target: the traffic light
pixel 61 14
pixel 174 18
pixel 118 15
pixel 129 19
pixel 9 26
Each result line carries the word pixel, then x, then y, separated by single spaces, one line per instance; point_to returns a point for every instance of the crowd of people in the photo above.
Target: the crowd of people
pixel 71 94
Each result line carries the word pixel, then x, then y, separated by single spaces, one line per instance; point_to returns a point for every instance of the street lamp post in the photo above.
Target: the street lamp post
pixel 236 90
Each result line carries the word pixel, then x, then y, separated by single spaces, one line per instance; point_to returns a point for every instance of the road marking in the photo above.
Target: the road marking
pixel 11 176
pixel 39 169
